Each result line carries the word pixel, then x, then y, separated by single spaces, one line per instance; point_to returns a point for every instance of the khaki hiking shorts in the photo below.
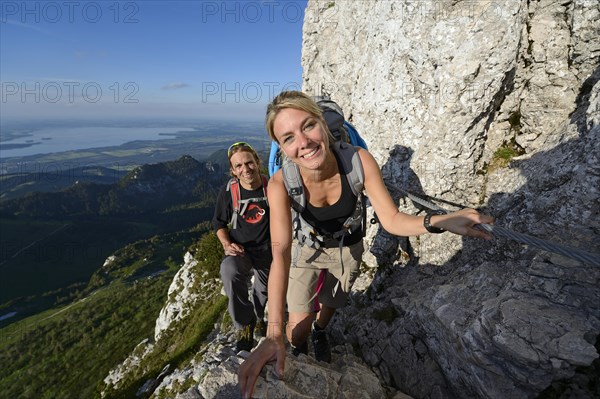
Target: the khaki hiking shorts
pixel 305 270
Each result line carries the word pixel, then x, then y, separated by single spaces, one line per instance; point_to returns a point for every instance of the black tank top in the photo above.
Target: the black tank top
pixel 330 219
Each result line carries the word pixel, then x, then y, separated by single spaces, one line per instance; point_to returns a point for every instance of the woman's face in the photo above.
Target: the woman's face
pixel 300 136
pixel 245 168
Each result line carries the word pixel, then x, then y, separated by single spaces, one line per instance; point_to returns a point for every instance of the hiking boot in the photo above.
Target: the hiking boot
pixel 261 329
pixel 245 338
pixel 302 348
pixel 320 344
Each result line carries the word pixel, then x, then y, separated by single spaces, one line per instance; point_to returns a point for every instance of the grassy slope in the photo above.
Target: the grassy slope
pixel 42 256
pixel 184 338
pixel 42 262
pixel 66 352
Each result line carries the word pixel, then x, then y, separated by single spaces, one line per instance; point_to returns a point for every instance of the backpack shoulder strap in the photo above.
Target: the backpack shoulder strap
pixel 265 182
pixel 293 185
pixel 351 165
pixel 233 186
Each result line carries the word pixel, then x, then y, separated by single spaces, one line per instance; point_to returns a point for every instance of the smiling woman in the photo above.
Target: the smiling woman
pixel 307 149
pixel 316 281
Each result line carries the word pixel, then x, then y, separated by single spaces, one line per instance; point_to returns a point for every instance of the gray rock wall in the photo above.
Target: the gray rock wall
pixel 436 89
pixel 447 83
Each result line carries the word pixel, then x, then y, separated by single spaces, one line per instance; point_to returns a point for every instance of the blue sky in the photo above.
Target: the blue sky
pixel 105 59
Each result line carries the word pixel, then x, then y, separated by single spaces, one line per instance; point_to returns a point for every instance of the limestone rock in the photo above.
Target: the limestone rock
pixel 438 90
pixel 304 377
pixel 212 374
pixel 117 374
pixel 182 295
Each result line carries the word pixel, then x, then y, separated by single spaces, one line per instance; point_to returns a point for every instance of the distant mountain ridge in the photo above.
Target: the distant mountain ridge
pixel 145 189
pixel 62 237
pixel 46 178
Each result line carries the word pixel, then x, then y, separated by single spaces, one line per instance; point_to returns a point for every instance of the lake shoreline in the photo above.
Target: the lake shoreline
pixel 198 141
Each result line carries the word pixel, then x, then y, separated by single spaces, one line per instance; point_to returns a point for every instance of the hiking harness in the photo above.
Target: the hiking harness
pixel 306 234
pixel 236 198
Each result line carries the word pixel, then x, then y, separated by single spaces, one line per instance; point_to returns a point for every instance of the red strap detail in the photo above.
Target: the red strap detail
pixel 235 195
pixel 320 283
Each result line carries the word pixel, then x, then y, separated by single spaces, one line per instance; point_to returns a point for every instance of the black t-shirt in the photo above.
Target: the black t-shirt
pixel 253 226
pixel 330 219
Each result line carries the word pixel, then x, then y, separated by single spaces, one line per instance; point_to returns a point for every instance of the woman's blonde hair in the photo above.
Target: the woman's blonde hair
pixel 296 100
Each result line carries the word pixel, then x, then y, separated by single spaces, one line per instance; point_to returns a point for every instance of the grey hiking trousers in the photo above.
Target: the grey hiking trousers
pixel 236 273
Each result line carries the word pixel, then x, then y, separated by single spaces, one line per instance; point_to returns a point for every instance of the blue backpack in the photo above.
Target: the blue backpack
pixel 341 130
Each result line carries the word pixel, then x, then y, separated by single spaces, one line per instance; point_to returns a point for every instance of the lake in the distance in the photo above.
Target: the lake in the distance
pixel 59 139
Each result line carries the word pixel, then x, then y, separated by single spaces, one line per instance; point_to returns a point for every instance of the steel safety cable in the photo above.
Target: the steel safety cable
pixel 574 253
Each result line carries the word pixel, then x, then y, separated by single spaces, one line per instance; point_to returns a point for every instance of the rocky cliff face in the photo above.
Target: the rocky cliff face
pixel 442 91
pixel 212 372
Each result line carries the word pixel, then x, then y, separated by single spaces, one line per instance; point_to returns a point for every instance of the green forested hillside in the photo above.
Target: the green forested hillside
pixel 52 242
pixel 67 351
pixel 74 317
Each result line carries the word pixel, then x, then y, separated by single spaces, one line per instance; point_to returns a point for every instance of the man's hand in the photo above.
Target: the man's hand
pixel 234 249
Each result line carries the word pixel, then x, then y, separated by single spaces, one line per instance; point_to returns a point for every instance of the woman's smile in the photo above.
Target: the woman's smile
pixel 311 154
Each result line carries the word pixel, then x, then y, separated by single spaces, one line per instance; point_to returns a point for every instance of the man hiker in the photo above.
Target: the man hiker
pixel 241 221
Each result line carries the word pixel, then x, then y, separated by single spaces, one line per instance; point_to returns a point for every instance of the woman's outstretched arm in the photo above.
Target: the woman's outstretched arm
pixel 395 222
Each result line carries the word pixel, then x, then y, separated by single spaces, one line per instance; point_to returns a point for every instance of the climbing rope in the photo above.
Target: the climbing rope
pixel 574 253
